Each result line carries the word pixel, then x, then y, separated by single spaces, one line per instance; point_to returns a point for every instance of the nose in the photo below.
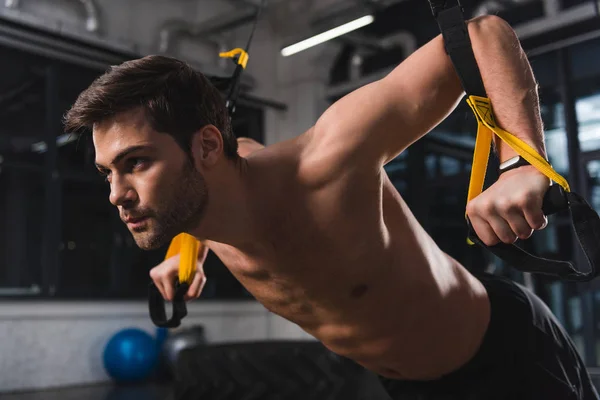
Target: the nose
pixel 121 191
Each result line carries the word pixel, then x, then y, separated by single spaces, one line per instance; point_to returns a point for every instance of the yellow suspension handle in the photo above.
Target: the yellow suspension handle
pixel 188 247
pixel 238 52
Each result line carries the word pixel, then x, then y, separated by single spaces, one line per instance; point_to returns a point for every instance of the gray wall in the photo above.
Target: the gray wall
pixel 60 344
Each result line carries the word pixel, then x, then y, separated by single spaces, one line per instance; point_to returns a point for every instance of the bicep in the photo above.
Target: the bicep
pixel 380 120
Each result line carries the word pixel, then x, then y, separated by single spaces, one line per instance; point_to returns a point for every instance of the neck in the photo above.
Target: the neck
pixel 227 217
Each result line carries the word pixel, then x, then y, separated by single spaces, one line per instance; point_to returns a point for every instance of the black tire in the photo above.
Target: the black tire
pixel 271 371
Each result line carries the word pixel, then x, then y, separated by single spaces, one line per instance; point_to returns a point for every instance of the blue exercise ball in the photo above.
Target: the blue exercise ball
pixel 131 355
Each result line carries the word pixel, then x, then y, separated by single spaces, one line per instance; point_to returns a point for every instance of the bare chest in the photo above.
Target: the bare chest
pixel 311 262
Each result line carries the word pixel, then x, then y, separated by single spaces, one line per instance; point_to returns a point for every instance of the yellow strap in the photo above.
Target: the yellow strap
pixel 486 127
pixel 480 161
pixel 482 108
pixel 242 60
pixel 174 246
pixel 188 247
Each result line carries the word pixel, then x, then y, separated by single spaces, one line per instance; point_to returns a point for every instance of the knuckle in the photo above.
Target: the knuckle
pixel 507 236
pixel 490 21
pixel 171 261
pixel 526 200
pixel 471 207
pixel 508 239
pixel 487 208
pixel 154 273
pixel 490 240
pixel 504 205
pixel 159 274
pixel 524 233
pixel 487 236
pixel 480 207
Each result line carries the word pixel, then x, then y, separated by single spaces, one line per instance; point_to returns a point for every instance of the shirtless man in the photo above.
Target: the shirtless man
pixel 316 231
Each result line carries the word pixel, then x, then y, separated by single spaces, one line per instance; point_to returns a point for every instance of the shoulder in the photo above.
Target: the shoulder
pixel 324 157
pixel 247 146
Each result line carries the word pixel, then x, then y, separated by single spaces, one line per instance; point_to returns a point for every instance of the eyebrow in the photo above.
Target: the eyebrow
pixel 124 153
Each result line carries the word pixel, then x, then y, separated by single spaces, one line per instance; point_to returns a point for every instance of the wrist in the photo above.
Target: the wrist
pixel 505 152
pixel 512 163
pixel 518 167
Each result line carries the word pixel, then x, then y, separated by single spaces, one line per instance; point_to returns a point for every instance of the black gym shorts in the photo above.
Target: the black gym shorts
pixel 525 355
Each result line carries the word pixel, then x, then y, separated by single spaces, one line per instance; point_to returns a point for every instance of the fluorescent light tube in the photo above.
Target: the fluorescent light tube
pixel 327 35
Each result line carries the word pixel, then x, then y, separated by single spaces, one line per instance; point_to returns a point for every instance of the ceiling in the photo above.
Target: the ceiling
pixel 541 26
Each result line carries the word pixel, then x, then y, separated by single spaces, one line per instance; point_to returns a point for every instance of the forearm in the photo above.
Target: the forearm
pixel 509 83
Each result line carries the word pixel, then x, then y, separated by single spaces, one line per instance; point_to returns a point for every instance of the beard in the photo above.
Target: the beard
pixel 179 209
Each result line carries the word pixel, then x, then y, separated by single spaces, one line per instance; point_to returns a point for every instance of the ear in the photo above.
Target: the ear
pixel 207 146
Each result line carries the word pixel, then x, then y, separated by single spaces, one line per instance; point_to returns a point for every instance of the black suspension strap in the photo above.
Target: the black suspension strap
pixel 240 58
pixel 187 246
pixel 449 15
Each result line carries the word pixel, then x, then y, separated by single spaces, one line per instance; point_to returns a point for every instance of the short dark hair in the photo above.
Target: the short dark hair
pixel 177 100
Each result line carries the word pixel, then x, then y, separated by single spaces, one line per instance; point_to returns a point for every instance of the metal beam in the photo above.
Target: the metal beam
pixel 560 44
pixel 566 17
pixel 251 3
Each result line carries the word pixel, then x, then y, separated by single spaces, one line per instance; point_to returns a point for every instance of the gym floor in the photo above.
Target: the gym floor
pixel 97 392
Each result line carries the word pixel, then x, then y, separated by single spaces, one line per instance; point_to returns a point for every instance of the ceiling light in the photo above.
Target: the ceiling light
pixel 327 35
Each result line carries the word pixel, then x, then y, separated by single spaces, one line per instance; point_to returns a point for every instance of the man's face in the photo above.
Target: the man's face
pixel 154 184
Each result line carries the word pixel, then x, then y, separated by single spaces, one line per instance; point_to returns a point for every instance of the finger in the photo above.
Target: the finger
pixel 501 228
pixel 518 224
pixel 165 280
pixel 171 262
pixel 484 231
pixel 196 286
pixel 155 276
pixel 535 218
pixel 168 285
pixel 160 288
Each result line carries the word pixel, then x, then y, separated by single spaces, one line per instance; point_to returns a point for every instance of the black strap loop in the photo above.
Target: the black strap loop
pixel 586 225
pixel 156 304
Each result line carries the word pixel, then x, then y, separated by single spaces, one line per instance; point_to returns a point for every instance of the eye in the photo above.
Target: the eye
pixel 105 174
pixel 137 163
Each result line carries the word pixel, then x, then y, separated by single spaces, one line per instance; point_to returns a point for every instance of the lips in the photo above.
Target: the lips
pixel 130 220
pixel 136 224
